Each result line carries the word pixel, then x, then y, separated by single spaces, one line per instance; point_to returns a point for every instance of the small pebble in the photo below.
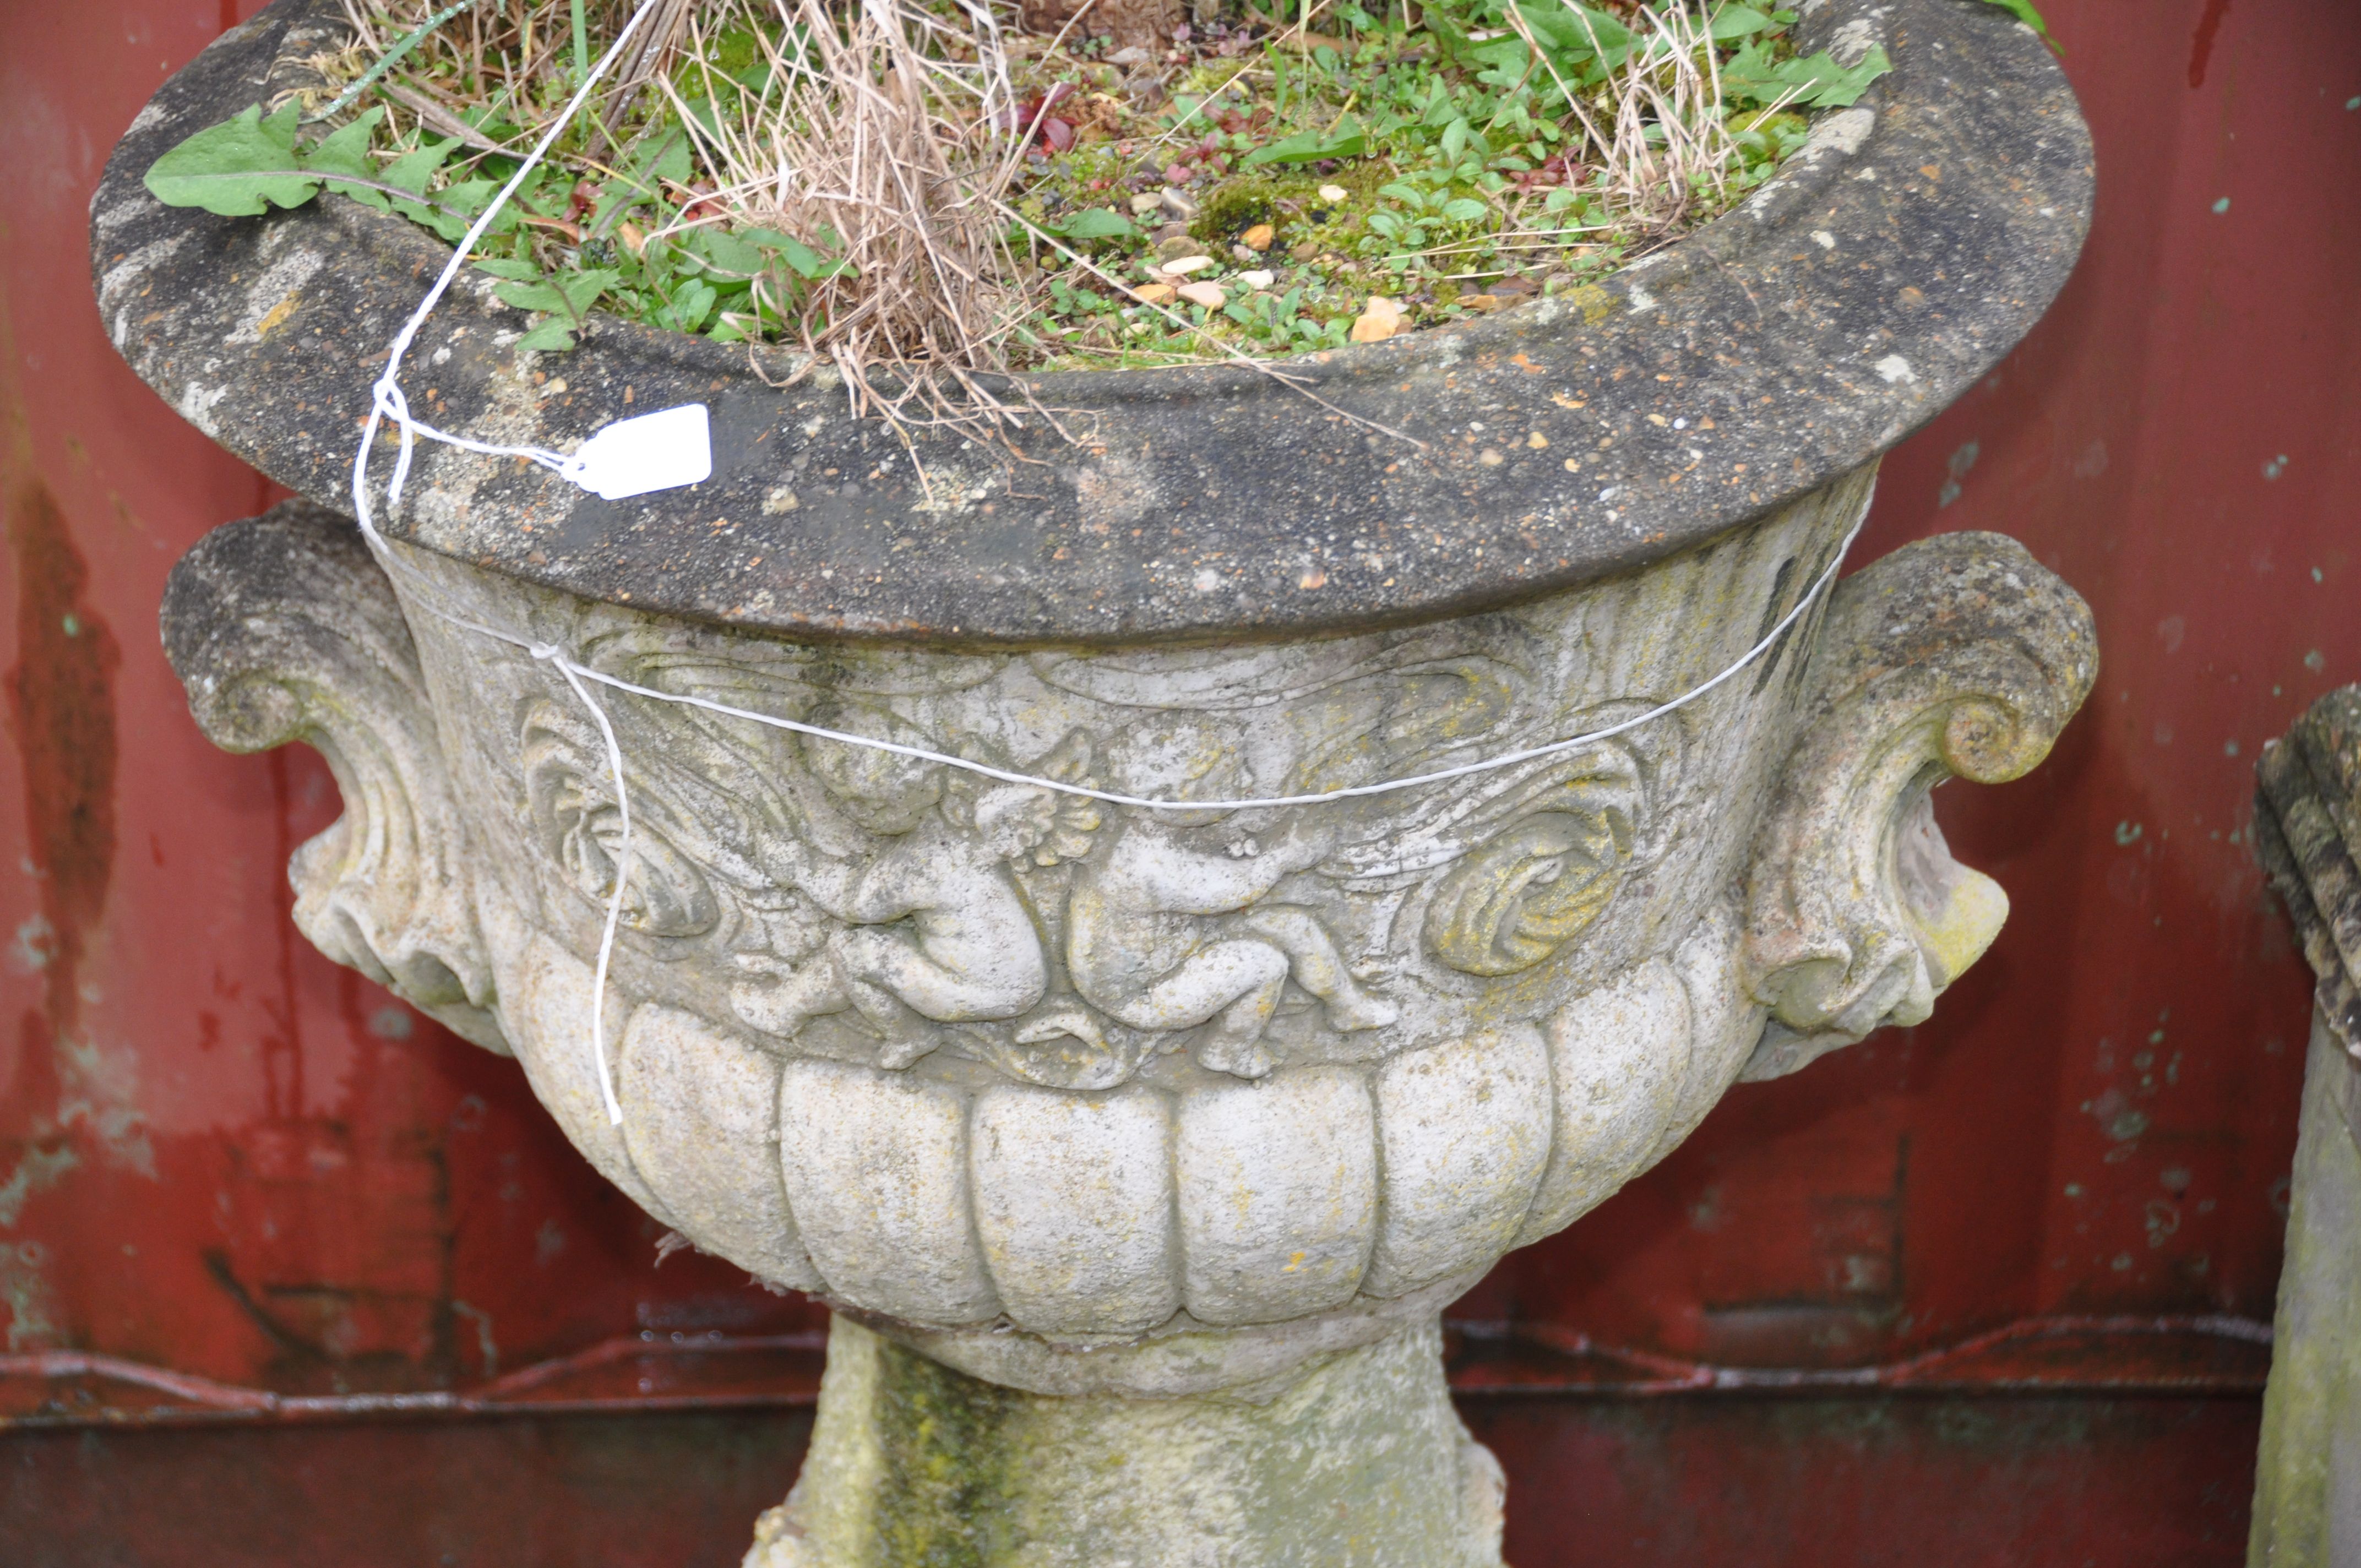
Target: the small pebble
pixel 1176 234
pixel 1144 203
pixel 1181 266
pixel 1379 322
pixel 1304 250
pixel 1334 192
pixel 1209 295
pixel 1258 237
pixel 1181 206
pixel 1259 278
pixel 1240 253
pixel 1479 302
pixel 1152 293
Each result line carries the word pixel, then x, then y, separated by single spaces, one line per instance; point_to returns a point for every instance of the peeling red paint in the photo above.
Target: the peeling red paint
pixel 62 718
pixel 61 715
pixel 2200 47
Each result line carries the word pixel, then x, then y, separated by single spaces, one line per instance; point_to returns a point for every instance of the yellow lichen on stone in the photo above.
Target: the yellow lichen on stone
pixel 1970 917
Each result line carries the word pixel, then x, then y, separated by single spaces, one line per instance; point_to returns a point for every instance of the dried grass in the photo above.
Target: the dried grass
pixel 1656 128
pixel 877 144
pixel 888 138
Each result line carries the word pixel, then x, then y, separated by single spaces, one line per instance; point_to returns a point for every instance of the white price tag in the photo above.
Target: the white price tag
pixel 661 451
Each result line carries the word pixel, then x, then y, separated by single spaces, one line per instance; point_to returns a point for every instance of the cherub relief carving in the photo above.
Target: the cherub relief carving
pixel 919 923
pixel 923 907
pixel 933 931
pixel 1164 928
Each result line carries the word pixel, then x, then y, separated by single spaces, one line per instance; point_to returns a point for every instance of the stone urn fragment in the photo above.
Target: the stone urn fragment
pixel 2308 833
pixel 1138 1151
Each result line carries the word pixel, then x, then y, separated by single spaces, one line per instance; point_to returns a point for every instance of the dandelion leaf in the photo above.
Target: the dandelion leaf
pixel 1095 222
pixel 1348 140
pixel 1816 82
pixel 238 169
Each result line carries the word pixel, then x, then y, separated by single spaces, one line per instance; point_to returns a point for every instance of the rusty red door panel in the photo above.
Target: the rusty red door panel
pixel 2012 1266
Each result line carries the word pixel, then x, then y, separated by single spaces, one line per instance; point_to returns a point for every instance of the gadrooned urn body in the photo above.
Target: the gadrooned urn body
pixel 1079 1095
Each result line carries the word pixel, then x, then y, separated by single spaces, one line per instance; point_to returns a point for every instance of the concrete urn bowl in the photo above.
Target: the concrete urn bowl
pixel 1138 1152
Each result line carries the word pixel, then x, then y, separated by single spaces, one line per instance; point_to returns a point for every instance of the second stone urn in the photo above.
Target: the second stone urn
pixel 1138 1151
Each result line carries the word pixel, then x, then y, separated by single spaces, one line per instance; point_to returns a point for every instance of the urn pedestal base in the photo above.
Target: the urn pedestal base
pixel 1355 1461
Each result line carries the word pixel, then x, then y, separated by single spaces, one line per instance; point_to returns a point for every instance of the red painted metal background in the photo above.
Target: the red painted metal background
pixel 287 1274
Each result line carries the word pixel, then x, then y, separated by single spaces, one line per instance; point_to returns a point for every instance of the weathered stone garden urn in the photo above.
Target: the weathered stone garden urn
pixel 1138 1152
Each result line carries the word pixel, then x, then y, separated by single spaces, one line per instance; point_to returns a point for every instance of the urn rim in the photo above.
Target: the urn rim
pixel 1795 338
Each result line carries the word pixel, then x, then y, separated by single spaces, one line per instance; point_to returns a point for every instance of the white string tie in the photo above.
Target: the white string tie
pixel 387 404
pixel 388 400
pixel 567 668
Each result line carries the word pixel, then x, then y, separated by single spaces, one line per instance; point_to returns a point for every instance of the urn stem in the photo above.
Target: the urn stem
pixel 1357 1461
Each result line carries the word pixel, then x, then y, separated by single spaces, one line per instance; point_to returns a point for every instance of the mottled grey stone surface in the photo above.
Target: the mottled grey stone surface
pixel 1356 1461
pixel 2307 1475
pixel 2308 833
